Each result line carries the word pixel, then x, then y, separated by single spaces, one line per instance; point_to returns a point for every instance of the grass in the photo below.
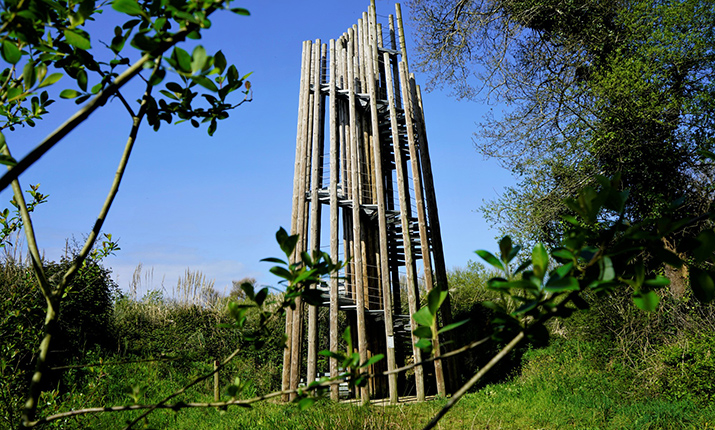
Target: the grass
pixel 564 390
pixel 571 384
pixel 494 407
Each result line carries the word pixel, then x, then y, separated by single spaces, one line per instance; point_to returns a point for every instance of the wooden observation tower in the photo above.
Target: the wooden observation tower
pixel 361 152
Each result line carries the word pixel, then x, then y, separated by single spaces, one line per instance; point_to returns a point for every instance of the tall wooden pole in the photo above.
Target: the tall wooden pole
pixel 435 231
pixel 421 215
pixel 297 201
pixel 356 199
pixel 412 297
pixel 334 227
pixel 315 184
pixel 382 217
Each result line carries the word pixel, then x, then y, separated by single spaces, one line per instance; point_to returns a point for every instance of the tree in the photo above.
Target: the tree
pixel 44 42
pixel 590 87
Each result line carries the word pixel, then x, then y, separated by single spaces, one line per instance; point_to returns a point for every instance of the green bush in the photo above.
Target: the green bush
pixel 192 337
pixel 468 290
pixel 688 369
pixel 84 329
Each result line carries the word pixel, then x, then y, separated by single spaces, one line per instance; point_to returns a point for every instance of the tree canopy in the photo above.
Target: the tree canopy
pixel 590 88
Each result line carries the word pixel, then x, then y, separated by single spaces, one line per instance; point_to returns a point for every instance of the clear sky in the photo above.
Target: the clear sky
pixel 214 204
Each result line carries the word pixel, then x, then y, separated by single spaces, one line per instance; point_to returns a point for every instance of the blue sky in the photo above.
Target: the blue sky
pixel 214 204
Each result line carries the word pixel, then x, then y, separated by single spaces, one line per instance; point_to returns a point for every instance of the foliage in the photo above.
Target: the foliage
pixel 468 291
pixel 44 42
pixel 85 327
pixel 11 222
pixel 599 260
pixel 589 88
pixel 653 352
pixel 601 253
pixel 689 369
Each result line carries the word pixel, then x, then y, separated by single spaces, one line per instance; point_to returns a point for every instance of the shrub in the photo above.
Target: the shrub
pixel 84 326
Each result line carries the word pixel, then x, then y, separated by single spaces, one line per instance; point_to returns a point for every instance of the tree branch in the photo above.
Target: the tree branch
pixel 55 295
pixel 97 101
pixel 458 395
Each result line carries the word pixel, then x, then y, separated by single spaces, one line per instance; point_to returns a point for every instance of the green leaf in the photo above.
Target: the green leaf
pixel 220 61
pixel 640 273
pixel 505 248
pixel 82 79
pixel 69 94
pixel 205 82
pixel 347 337
pixel 306 275
pixel 182 59
pixel 14 93
pixel 130 7
pixel 261 296
pixel 157 77
pixel 247 288
pixel 241 11
pixel 523 266
pixel 305 403
pixel 500 284
pixel 286 242
pixel 424 344
pixel 7 160
pixel 666 256
pixel 526 307
pixel 312 297
pixel 144 43
pixel 606 266
pixel 452 326
pixel 702 284
pixel 77 38
pixel 658 281
pixel 169 95
pixel 646 300
pixel 603 286
pixel 563 284
pixel 198 59
pixel 435 298
pixel 423 317
pixel 232 74
pixel 274 260
pixel 372 360
pixel 571 220
pixel 540 260
pixel 563 271
pixel 331 354
pixel 563 254
pixel 10 52
pixel 423 332
pixel 173 86
pixel 493 306
pixel 29 76
pixel 279 271
pixel 490 258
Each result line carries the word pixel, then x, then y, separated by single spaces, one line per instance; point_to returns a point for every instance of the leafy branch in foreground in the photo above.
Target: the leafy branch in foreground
pixel 39 37
pixel 599 253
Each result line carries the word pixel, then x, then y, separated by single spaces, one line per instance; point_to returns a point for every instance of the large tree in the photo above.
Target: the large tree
pixel 589 87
